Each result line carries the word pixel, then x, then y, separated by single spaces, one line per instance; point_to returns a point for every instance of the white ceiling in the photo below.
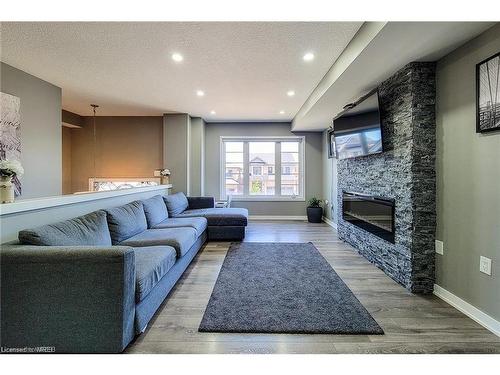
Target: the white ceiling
pixel 376 53
pixel 245 69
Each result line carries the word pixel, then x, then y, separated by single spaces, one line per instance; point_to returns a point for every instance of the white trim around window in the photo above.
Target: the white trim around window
pixel 277 169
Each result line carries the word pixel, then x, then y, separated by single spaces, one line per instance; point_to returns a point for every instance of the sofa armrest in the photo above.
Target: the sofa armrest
pixel 73 298
pixel 201 202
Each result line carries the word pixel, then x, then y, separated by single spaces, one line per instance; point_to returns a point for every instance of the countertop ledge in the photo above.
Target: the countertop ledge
pixel 26 205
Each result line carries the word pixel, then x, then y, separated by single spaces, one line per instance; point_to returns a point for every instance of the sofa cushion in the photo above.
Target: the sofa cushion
pixel 151 264
pixel 176 203
pixel 220 216
pixel 126 221
pixel 155 210
pixel 201 202
pixel 197 223
pixel 181 239
pixel 88 230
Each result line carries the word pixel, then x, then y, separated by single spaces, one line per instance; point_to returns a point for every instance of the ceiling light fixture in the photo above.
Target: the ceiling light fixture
pixel 212 112
pixel 200 93
pixel 290 93
pixel 308 56
pixel 177 57
pixel 282 112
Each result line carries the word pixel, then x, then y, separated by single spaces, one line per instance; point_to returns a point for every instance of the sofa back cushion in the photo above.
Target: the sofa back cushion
pixel 155 210
pixel 88 230
pixel 126 221
pixel 176 203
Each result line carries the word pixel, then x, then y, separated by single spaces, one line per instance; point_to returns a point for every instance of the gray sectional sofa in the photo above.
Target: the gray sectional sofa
pixel 223 223
pixel 92 283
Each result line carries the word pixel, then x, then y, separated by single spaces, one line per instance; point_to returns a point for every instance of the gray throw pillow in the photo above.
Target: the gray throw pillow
pixel 126 221
pixel 176 203
pixel 88 230
pixel 155 210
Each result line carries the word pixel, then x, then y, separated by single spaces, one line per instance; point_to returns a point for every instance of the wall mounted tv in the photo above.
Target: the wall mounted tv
pixel 357 131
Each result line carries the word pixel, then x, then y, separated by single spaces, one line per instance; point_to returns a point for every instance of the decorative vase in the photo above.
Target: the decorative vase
pixel 165 180
pixel 6 189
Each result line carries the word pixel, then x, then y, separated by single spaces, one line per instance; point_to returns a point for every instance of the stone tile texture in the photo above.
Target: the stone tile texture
pixel 405 171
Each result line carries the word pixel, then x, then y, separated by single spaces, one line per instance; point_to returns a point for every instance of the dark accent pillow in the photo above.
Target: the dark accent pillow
pixel 155 210
pixel 176 203
pixel 126 221
pixel 88 230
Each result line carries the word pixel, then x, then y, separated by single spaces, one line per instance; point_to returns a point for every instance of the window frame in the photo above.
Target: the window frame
pixel 246 165
pixel 253 170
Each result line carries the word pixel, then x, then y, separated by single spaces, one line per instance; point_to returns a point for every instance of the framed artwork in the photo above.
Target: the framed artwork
pixel 331 144
pixel 488 95
pixel 10 132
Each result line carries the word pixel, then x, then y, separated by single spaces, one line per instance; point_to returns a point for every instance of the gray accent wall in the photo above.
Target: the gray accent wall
pixel 313 162
pixel 176 150
pixel 404 172
pixel 468 183
pixel 41 131
pixel 330 210
pixel 197 169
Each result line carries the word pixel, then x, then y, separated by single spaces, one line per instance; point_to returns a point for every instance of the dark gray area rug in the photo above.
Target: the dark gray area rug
pixel 283 288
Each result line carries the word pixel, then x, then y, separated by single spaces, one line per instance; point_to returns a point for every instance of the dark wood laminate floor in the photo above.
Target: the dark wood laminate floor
pixel 412 323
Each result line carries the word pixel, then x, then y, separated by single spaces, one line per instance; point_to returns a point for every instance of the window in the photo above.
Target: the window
pixel 290 179
pixel 262 168
pixel 257 171
pixel 233 175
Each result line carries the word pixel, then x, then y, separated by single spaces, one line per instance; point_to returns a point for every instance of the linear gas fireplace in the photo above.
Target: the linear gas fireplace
pixel 373 214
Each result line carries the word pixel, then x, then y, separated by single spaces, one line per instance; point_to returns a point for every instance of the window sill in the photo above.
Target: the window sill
pixel 266 199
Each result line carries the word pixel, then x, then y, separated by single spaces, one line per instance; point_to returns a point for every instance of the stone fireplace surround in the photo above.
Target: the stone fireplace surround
pixel 405 172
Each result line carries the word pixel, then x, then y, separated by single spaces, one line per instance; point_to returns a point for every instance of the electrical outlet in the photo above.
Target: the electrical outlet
pixel 439 247
pixel 485 265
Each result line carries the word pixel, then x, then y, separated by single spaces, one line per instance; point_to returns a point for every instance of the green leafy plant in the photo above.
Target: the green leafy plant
pixel 314 202
pixel 256 187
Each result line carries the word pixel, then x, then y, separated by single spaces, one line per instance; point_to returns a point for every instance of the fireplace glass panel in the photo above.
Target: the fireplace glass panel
pixel 373 214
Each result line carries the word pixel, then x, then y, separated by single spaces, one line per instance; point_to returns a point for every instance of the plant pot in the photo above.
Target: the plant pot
pixel 314 214
pixel 6 189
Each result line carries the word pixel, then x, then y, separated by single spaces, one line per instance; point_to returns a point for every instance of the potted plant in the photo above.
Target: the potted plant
pixel 8 170
pixel 314 210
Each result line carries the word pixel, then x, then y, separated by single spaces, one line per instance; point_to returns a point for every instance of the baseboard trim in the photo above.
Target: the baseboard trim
pixel 278 217
pixel 472 312
pixel 330 222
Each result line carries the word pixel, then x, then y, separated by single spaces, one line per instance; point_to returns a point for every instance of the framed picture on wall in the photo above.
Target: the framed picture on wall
pixel 331 144
pixel 488 94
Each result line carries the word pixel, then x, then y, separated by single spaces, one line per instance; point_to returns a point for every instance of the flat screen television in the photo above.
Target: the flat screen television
pixel 358 132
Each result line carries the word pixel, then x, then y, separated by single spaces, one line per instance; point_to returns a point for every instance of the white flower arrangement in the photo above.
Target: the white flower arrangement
pixel 165 172
pixel 11 168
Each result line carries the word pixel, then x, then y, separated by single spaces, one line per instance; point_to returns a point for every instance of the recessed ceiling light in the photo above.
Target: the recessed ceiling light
pixel 308 56
pixel 282 112
pixel 200 93
pixel 212 112
pixel 177 57
pixel 290 93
